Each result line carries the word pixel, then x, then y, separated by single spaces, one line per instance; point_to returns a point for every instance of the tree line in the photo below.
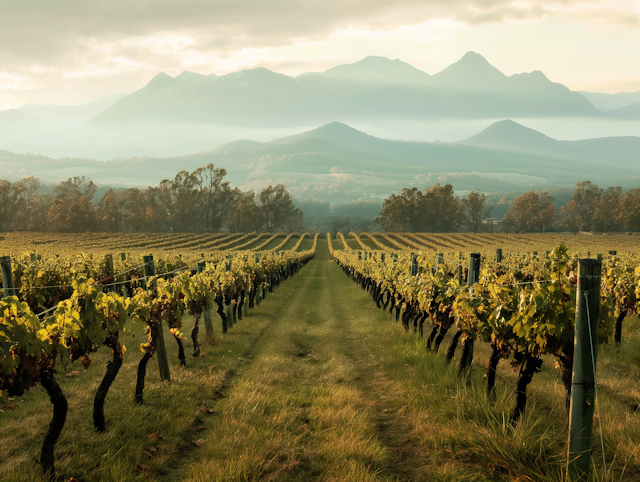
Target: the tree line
pixel 202 201
pixel 437 209
pixel 199 201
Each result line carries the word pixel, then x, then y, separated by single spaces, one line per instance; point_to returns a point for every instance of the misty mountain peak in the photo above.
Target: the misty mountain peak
pixel 259 74
pixel 507 133
pixel 335 127
pixel 472 56
pixel 472 71
pixel 187 76
pixel 161 79
pixel 335 132
pixel 379 69
pixel 530 79
pixel 161 83
pixel 258 81
pixel 538 74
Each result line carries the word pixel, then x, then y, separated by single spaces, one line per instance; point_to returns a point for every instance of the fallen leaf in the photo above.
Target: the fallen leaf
pixel 155 436
pixel 202 355
pixel 13 406
pixel 198 442
pixel 208 411
pixel 151 451
pixel 142 468
pixel 199 428
pixel 303 427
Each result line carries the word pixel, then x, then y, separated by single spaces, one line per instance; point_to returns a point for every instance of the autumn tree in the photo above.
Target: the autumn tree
pixel 110 212
pixel 570 217
pixel 476 210
pixel 218 200
pixel 443 211
pixel 134 210
pixel 435 210
pixel 532 211
pixel 72 210
pixel 276 207
pixel 198 201
pixel 629 210
pixel 606 208
pixel 155 214
pixel 27 188
pixel 10 203
pixel 179 199
pixel 75 186
pixel 39 213
pixel 403 212
pixel 246 217
pixel 585 198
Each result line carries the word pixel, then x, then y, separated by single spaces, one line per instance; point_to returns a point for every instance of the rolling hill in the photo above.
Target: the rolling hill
pixel 340 164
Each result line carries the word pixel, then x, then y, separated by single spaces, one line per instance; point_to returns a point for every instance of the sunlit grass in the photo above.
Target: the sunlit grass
pixel 318 384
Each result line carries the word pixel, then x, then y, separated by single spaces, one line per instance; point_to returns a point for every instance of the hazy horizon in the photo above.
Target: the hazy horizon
pixel 65 55
pixel 172 81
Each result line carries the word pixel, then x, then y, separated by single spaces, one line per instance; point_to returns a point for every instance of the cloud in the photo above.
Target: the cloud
pixel 11 82
pixel 43 42
pixel 40 31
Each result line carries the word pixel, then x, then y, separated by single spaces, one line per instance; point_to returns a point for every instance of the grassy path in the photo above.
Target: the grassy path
pixel 314 402
pixel 296 412
pixel 384 396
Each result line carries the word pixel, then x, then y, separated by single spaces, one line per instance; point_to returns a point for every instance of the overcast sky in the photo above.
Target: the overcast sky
pixel 74 51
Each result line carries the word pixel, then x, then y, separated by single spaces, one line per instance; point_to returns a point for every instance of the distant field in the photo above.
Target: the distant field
pixel 455 243
pixel 50 243
pixel 58 243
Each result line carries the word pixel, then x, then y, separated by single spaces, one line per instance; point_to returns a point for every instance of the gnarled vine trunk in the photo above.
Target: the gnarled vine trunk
pixel 60 406
pixel 113 367
pixel 194 335
pixel 491 371
pixel 154 326
pixel 530 366
pixel 451 351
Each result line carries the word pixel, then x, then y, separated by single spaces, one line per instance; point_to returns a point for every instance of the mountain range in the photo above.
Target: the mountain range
pixel 191 112
pixel 374 86
pixel 340 164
